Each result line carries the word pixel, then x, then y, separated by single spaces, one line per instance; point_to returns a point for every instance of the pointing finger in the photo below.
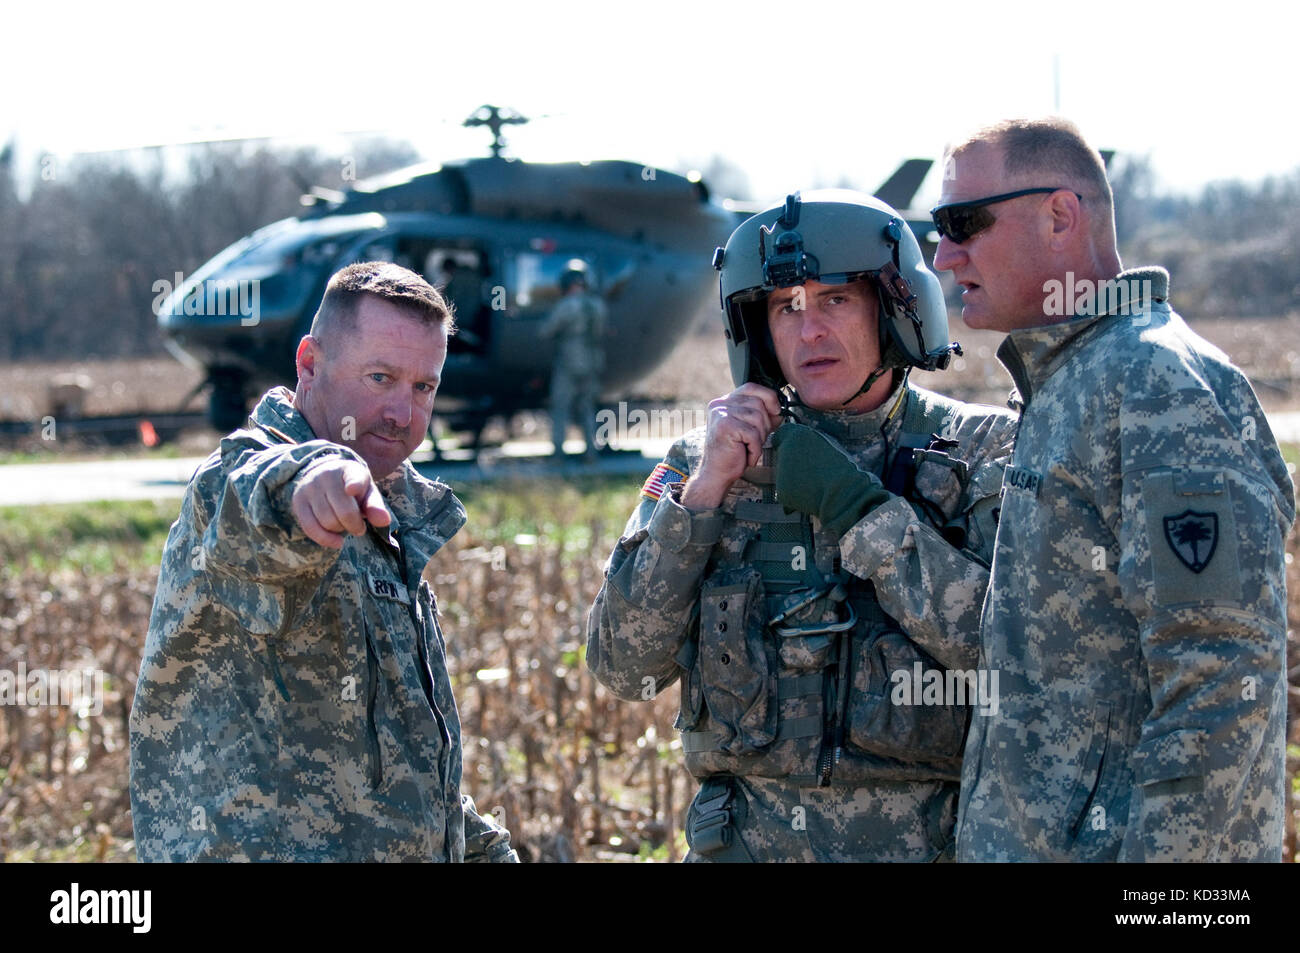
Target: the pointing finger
pixel 373 507
pixel 340 509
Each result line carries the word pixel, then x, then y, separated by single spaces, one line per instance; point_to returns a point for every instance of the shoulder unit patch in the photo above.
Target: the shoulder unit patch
pixel 1193 537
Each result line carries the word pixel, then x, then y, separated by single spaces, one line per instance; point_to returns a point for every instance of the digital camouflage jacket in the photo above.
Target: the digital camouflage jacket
pixel 682 600
pixel 293 701
pixel 1137 605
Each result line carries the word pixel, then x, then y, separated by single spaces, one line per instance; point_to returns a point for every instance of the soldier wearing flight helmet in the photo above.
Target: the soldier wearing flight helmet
pixel 578 324
pixel 815 553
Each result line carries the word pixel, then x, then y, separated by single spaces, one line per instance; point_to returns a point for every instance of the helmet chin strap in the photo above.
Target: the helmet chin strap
pixel 875 376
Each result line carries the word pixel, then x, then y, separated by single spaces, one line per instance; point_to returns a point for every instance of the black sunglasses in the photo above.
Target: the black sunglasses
pixel 958 221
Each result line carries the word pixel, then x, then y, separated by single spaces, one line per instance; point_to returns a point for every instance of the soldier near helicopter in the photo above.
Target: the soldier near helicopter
pixel 293 702
pixel 820 546
pixel 577 324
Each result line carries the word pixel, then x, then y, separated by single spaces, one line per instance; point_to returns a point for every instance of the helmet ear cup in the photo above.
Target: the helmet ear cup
pixel 913 307
pixel 894 352
pixel 890 355
pixel 750 334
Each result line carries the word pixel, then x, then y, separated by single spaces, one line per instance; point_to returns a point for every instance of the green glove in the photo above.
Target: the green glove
pixel 814 476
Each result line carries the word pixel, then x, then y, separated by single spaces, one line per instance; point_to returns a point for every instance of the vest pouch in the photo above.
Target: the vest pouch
pixel 901 711
pixel 807 653
pixel 806 638
pixel 737 661
pixel 692 687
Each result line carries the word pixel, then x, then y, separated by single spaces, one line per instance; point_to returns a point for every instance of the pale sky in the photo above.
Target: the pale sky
pixel 796 93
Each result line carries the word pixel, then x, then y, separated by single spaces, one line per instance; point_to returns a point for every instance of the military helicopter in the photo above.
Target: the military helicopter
pixel 495 234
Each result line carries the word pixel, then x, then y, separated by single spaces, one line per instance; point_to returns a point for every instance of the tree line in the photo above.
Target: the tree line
pixel 80 252
pixel 81 248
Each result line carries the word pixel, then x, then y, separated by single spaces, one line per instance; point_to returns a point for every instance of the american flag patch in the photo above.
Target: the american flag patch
pixel 659 479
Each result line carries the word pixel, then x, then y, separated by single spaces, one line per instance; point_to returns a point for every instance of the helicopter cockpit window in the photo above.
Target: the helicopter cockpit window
pixel 290 247
pixel 321 253
pixel 536 276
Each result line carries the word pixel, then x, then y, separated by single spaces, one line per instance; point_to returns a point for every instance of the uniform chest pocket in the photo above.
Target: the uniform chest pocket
pixel 736 661
pixel 386 605
pixel 900 704
pixel 977 522
pixel 256 606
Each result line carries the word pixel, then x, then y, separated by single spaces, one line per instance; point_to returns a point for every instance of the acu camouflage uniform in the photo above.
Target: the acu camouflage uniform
pixel 1137 604
pixel 680 600
pixel 577 323
pixel 293 701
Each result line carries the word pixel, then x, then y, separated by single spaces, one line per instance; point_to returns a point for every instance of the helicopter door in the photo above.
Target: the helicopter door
pixel 533 278
pixel 459 271
pixel 460 274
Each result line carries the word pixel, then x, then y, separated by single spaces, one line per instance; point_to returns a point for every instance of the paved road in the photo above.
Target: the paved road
pixel 23 484
pixel 153 479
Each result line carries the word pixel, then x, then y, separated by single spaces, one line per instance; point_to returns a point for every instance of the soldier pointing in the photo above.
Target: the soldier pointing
pixel 293 700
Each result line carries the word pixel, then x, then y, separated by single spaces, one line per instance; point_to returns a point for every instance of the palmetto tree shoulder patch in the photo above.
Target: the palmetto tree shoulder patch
pixel 1197 560
pixel 1193 536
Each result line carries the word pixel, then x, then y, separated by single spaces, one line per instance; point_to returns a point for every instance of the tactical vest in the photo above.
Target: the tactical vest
pixel 788 673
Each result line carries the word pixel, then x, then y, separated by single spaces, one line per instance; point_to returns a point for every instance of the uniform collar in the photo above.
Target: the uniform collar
pixel 276 414
pixel 849 427
pixel 1031 355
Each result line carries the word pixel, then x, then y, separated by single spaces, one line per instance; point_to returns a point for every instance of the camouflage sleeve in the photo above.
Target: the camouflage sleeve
pixel 931 587
pixel 250 531
pixel 486 841
pixel 643 613
pixel 1201 546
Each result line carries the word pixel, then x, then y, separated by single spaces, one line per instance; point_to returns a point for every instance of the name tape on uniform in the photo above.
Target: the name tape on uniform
pixel 388 589
pixel 1019 478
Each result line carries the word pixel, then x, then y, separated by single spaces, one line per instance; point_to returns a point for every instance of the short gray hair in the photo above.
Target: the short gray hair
pixel 1050 145
pixel 383 279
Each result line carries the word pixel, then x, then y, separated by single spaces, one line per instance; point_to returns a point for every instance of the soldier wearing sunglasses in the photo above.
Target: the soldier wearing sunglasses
pixel 1136 610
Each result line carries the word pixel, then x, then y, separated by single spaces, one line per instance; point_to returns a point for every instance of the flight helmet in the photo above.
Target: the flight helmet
pixel 575 272
pixel 833 236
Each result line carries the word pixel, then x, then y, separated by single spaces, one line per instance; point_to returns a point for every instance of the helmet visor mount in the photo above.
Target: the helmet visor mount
pixel 787 264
